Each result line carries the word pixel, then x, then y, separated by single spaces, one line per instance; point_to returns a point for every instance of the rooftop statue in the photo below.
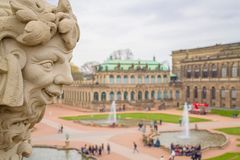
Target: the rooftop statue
pixel 36 43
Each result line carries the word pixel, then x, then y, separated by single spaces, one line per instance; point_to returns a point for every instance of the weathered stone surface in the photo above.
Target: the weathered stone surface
pixel 36 42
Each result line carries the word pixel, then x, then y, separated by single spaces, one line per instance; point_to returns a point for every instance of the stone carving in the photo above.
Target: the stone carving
pixel 36 42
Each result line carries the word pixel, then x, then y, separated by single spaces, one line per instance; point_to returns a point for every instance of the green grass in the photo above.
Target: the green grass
pixel 137 116
pixel 232 131
pixel 223 112
pixel 227 156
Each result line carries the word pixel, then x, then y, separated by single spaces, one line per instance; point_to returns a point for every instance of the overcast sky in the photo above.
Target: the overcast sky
pixel 152 27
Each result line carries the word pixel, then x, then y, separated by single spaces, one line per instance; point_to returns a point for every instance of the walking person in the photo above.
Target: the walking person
pixel 108 148
pixel 135 147
pixel 172 156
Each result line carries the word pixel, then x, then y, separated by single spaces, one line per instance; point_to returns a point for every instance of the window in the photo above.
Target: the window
pixel 214 71
pixel 132 79
pixel 125 95
pixel 196 72
pixel 188 92
pixel 165 94
pixel 95 96
pixel 205 71
pixel 170 94
pixel 153 79
pixel 159 79
pixel 159 95
pixel 234 70
pixel 213 93
pixel 146 79
pixel 233 93
pixel 111 96
pixel 177 94
pixel 223 94
pixel 146 95
pixel 125 79
pixel 119 95
pixel 132 96
pixel 189 72
pixel 204 93
pixel 118 79
pixel 165 79
pixel 139 95
pixel 224 71
pixel 111 79
pixel 103 96
pixel 195 92
pixel 139 79
pixel 153 94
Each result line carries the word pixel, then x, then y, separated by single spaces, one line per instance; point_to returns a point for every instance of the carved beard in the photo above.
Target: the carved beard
pixel 17 122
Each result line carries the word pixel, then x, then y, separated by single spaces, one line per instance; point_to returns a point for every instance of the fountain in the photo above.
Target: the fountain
pixel 112 118
pixel 185 122
pixel 183 137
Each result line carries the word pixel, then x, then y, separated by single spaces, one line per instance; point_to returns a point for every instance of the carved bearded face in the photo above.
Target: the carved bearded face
pixel 47 68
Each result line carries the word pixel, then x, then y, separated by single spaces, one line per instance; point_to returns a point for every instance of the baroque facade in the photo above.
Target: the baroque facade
pixel 210 75
pixel 134 82
pixel 205 75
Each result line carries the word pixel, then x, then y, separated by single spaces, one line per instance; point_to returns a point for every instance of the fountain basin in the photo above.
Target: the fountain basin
pixel 203 137
pixel 44 153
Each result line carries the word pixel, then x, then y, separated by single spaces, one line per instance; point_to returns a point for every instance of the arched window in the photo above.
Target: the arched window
pixel 159 79
pixel 224 71
pixel 118 79
pixel 153 94
pixel 165 79
pixel 95 96
pixel 213 93
pixel 233 93
pixel 205 71
pixel 223 94
pixel 111 79
pixel 111 96
pixel 132 79
pixel 153 80
pixel 177 94
pixel 146 79
pixel 195 92
pixel 125 95
pixel 146 95
pixel 234 70
pixel 125 79
pixel 159 95
pixel 139 95
pixel 188 92
pixel 119 95
pixel 132 96
pixel 204 93
pixel 165 94
pixel 139 79
pixel 103 96
pixel 214 71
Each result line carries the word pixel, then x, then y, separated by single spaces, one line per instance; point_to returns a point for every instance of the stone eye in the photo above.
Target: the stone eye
pixel 47 65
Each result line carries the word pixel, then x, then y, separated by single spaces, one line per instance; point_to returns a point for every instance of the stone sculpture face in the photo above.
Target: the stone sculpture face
pixel 36 43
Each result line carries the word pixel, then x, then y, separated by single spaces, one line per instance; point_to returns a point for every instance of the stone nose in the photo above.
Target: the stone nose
pixel 63 79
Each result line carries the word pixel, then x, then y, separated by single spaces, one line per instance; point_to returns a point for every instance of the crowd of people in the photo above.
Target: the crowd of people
pixel 95 150
pixel 186 150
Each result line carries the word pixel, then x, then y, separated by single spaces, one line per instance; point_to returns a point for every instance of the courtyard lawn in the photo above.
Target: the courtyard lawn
pixel 170 118
pixel 223 112
pixel 227 156
pixel 232 131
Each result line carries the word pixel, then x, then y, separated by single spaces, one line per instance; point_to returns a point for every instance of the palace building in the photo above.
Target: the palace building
pixel 210 74
pixel 138 83
pixel 205 75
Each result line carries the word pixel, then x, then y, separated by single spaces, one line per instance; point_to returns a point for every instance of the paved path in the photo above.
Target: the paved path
pixel 120 139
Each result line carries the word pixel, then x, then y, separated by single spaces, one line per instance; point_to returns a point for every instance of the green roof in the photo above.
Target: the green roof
pixel 111 65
